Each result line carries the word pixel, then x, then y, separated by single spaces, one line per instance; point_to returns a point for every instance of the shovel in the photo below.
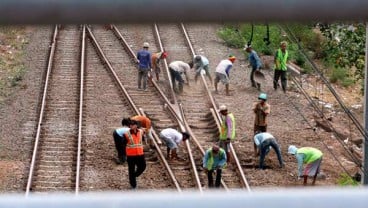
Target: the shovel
pixel 259 75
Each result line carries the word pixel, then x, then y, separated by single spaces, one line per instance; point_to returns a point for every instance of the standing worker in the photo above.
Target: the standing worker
pixel 134 152
pixel 223 73
pixel 281 58
pixel 214 160
pixel 155 62
pixel 177 68
pixel 263 143
pixel 201 63
pixel 310 156
pixel 256 65
pixel 145 123
pixel 172 139
pixel 119 140
pixel 144 65
pixel 227 131
pixel 261 110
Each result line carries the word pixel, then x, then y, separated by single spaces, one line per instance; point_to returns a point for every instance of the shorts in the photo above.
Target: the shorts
pixel 222 77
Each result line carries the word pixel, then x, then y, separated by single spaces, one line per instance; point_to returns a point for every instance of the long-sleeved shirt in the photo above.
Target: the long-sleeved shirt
pixel 254 59
pixel 259 138
pixel 306 155
pixel 261 111
pixel 224 67
pixel 179 66
pixel 173 134
pixel 122 131
pixel 144 57
pixel 218 160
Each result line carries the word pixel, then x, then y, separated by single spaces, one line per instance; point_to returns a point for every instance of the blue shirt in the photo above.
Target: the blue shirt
pixel 122 131
pixel 259 138
pixel 254 59
pixel 144 57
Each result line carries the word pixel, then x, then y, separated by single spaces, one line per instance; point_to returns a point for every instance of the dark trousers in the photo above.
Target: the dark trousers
pixel 175 75
pixel 278 74
pixel 254 83
pixel 120 146
pixel 218 178
pixel 142 75
pixel 136 166
pixel 265 148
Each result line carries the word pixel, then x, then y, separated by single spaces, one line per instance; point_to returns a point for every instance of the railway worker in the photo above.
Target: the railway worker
pixel 223 72
pixel 201 63
pixel 280 60
pixel 134 152
pixel 145 124
pixel 119 140
pixel 263 142
pixel 227 131
pixel 310 156
pixel 144 65
pixel 177 68
pixel 155 62
pixel 255 63
pixel 172 138
pixel 214 160
pixel 261 110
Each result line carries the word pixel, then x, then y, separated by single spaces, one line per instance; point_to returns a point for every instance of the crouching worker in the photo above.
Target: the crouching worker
pixel 145 124
pixel 310 156
pixel 214 160
pixel 264 141
pixel 172 138
pixel 134 152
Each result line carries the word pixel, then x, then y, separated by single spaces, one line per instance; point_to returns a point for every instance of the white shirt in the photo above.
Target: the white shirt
pixel 173 134
pixel 179 66
pixel 223 65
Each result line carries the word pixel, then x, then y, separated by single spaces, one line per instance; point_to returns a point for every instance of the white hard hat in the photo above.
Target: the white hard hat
pixel 292 149
pixel 223 108
pixel 145 45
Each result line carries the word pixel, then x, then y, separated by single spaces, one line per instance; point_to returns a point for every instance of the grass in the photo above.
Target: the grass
pixel 346 180
pixel 12 69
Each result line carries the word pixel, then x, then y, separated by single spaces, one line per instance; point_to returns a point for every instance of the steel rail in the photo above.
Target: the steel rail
pixel 42 110
pixel 214 106
pixel 83 12
pixel 158 39
pixel 162 156
pixel 130 100
pixel 80 118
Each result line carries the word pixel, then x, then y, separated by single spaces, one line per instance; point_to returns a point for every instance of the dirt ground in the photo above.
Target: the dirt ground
pixel 18 108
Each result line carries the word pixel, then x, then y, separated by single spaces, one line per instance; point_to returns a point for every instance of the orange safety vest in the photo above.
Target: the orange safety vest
pixel 134 146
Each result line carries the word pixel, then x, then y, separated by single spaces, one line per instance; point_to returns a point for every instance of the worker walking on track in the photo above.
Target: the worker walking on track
pixel 310 156
pixel 177 68
pixel 263 142
pixel 155 62
pixel 223 73
pixel 201 63
pixel 144 66
pixel 261 110
pixel 172 138
pixel 135 154
pixel 214 160
pixel 120 145
pixel 255 63
pixel 227 131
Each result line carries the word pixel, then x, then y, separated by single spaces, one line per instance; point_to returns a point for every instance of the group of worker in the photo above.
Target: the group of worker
pixel 129 138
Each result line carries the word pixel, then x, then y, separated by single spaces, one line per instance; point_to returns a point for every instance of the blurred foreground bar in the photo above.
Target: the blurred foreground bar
pixel 333 197
pixel 148 11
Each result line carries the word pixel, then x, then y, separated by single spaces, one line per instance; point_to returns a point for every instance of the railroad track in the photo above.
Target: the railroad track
pixel 110 80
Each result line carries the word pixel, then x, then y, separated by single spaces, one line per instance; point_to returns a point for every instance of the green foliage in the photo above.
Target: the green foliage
pixel 341 76
pixel 345 45
pixel 346 180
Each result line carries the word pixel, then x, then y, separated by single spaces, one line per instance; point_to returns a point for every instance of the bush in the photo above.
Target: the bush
pixel 346 180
